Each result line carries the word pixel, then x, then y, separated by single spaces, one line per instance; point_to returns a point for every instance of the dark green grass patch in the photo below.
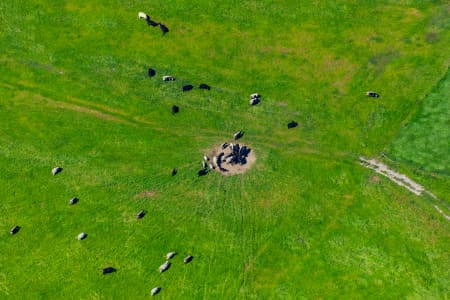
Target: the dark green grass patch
pixel 424 141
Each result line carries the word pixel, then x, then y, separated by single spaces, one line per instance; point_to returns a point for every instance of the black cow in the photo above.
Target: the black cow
pixel 73 201
pixel 163 28
pixel 292 124
pixel 140 214
pixel 174 172
pixel 188 87
pixel 151 72
pixel 150 22
pixel 14 230
pixel 175 109
pixel 204 86
pixel 202 172
pixel 108 270
pixel 188 259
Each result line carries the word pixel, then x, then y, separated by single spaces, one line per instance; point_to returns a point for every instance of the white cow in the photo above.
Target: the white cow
pixel 164 267
pixel 170 255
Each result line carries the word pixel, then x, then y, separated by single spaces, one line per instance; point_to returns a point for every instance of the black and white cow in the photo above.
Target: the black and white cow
pixel 168 78
pixel 56 170
pixel 140 214
pixel 188 259
pixel 155 291
pixel 372 94
pixel 14 230
pixel 238 135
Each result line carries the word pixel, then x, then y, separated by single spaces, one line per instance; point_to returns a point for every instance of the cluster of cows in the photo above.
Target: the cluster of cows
pixel 152 23
pixel 166 265
pixel 232 154
pixel 108 270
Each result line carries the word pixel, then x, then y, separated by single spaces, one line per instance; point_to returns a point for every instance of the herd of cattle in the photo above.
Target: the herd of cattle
pixel 108 270
pixel 232 154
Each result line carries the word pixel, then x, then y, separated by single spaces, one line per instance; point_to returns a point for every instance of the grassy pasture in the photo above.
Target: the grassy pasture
pixel 305 222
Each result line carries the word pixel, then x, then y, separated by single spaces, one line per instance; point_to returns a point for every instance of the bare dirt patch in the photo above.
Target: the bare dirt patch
pixel 228 169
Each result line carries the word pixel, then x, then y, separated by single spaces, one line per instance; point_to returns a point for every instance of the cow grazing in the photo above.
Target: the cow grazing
pixel 188 259
pixel 188 87
pixel 170 255
pixel 164 267
pixel 174 172
pixel 14 230
pixel 163 28
pixel 108 270
pixel 238 135
pixel 202 172
pixel 372 94
pixel 81 236
pixel 140 214
pixel 73 201
pixel 155 291
pixel 168 78
pixel 254 101
pixel 142 15
pixel 175 109
pixel 56 170
pixel 255 96
pixel 151 72
pixel 204 86
pixel 292 124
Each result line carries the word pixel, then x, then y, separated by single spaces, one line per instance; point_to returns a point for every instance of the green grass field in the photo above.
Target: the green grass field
pixel 306 221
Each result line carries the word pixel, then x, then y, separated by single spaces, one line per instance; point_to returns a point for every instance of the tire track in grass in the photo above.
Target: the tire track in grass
pixel 401 180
